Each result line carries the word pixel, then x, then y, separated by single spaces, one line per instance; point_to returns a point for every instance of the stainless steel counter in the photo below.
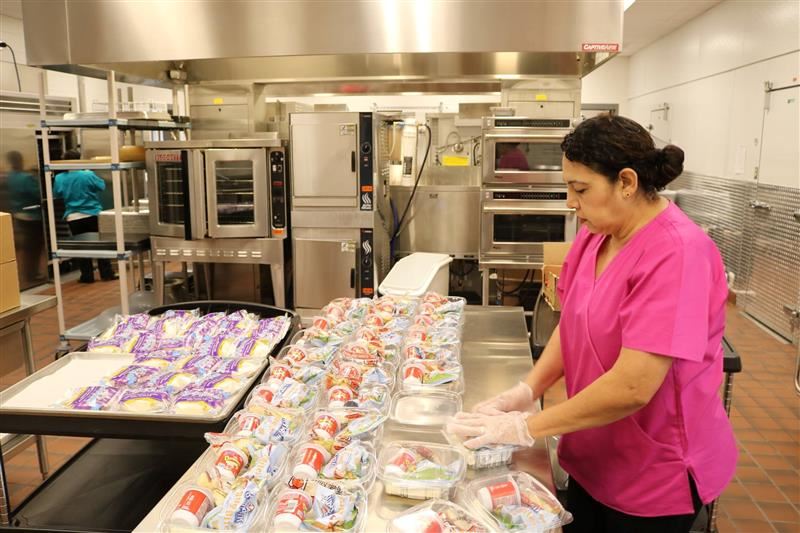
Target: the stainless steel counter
pixel 495 356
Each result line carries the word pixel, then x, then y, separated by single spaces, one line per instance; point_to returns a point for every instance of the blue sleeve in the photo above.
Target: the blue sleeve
pixel 57 192
pixel 98 183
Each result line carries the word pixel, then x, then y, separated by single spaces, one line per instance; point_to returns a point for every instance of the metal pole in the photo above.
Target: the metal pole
pixel 113 139
pixel 51 216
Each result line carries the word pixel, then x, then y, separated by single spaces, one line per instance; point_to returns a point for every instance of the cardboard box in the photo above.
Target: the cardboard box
pixel 9 286
pixel 554 255
pixel 6 239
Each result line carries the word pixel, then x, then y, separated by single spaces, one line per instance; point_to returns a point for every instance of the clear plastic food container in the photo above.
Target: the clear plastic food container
pixel 265 394
pixel 206 472
pixel 437 515
pixel 365 425
pixel 377 397
pixel 420 470
pixel 423 350
pixel 317 338
pixel 307 462
pixel 298 355
pixel 285 514
pixel 516 501
pixel 372 354
pixel 187 505
pixel 426 375
pixel 433 336
pixel 268 424
pixel 487 457
pixel 431 409
pixel 357 374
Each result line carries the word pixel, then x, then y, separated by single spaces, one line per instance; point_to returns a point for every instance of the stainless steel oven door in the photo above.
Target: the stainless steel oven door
pixel 176 193
pixel 516 223
pixel 522 157
pixel 236 185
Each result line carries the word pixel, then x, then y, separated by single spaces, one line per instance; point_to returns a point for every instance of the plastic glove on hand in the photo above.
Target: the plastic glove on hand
pixel 517 398
pixel 483 430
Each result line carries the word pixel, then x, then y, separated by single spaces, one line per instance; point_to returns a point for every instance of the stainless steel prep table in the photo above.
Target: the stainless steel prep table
pixel 19 319
pixel 496 355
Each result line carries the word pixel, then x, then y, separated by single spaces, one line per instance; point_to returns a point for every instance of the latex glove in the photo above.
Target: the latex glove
pixel 517 398
pixel 483 430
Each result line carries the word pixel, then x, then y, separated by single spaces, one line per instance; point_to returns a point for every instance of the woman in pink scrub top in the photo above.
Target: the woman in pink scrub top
pixel 645 437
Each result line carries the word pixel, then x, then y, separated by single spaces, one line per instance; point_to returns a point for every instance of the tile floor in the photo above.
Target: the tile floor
pixel 763 497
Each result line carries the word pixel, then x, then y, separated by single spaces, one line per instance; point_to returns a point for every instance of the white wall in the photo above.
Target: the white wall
pixel 711 72
pixel 608 84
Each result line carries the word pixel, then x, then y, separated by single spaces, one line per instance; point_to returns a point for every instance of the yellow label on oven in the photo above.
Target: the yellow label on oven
pixel 541 97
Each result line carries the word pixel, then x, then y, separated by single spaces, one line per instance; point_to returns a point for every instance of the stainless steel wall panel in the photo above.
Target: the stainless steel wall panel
pixel 761 247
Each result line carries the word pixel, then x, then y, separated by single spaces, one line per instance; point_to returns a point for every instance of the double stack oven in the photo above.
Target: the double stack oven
pixel 523 196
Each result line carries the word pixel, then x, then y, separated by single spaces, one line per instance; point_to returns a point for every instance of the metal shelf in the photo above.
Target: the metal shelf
pixel 54 165
pixel 121 123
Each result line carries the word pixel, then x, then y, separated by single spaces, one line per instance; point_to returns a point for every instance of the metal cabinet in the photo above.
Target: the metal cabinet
pixel 327 266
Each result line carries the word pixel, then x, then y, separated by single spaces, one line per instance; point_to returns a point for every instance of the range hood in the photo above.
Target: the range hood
pixel 463 46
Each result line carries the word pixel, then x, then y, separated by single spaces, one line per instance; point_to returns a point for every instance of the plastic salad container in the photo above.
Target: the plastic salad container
pixel 377 397
pixel 354 374
pixel 298 355
pixel 424 350
pixel 486 457
pixel 317 506
pixel 267 423
pixel 420 470
pixel 437 515
pixel 335 428
pixel 516 501
pixel 424 375
pixel 431 409
pixel 352 466
pixel 289 393
pixel 191 508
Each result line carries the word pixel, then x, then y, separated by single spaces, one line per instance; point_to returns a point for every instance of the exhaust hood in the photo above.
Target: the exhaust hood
pixel 419 42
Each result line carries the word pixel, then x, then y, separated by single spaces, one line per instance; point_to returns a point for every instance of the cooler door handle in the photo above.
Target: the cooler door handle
pixel 352 278
pixel 353 161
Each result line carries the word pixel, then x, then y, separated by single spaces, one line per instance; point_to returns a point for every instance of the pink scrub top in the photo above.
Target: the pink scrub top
pixel 663 293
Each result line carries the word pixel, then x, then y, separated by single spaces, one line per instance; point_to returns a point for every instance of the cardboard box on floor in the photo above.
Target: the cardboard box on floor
pixel 9 282
pixel 554 254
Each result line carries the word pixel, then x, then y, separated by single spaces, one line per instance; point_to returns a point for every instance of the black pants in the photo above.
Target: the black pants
pixel 88 225
pixel 592 516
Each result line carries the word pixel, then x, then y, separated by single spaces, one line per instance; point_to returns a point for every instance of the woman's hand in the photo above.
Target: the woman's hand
pixel 517 398
pixel 483 430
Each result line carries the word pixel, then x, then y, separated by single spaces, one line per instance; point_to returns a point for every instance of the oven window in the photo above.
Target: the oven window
pixel 170 193
pixel 235 192
pixel 529 228
pixel 528 156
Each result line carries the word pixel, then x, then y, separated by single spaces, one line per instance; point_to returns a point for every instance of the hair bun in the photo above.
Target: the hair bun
pixel 669 165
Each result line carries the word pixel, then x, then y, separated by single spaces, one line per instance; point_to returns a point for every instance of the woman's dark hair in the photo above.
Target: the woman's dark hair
pixel 72 154
pixel 609 143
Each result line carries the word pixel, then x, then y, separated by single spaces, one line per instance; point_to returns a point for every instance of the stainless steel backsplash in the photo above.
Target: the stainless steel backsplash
pixel 760 246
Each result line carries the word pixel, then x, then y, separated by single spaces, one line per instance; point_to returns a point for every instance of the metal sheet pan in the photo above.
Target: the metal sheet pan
pixel 35 395
pixel 38 418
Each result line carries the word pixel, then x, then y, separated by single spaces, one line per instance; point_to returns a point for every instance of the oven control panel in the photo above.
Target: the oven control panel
pixel 277 183
pixel 365 162
pixel 529 195
pixel 366 260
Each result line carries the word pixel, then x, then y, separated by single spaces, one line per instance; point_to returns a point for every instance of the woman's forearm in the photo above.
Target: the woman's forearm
pixel 548 369
pixel 620 392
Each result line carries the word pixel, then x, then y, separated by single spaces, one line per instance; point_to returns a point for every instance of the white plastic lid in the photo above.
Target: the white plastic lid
pixel 413 274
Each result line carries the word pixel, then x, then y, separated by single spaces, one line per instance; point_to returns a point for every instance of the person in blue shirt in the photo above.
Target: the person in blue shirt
pixel 81 190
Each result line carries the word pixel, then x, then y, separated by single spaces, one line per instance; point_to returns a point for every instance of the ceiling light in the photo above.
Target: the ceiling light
pixel 412 93
pixel 323 94
pixel 628 3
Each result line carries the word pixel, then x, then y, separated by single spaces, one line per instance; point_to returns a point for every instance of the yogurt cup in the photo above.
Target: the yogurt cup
pixel 339 395
pixel 313 457
pixel 325 426
pixel 230 461
pixel 291 510
pixel 413 373
pixel 193 506
pixel 497 494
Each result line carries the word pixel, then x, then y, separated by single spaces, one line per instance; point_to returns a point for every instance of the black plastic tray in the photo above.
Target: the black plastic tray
pixel 85 426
